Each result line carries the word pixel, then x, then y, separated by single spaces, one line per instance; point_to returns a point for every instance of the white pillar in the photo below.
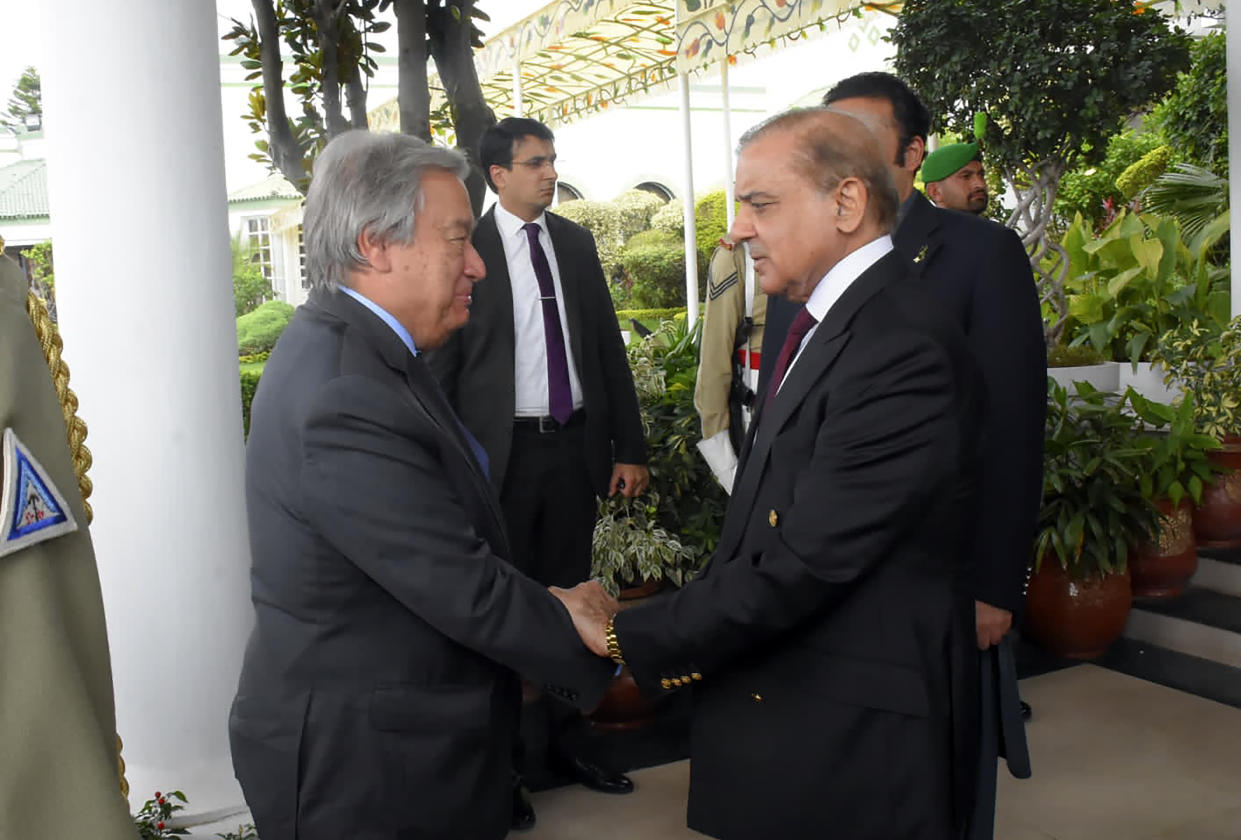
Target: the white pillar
pixel 1233 54
pixel 687 201
pixel 726 112
pixel 136 183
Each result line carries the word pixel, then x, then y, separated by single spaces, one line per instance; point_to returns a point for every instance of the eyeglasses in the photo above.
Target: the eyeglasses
pixel 537 163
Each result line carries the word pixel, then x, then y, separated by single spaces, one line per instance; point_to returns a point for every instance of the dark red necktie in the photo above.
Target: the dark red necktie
pixel 801 325
pixel 559 392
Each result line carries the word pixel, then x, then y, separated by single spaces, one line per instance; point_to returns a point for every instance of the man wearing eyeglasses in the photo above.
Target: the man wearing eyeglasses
pixel 540 377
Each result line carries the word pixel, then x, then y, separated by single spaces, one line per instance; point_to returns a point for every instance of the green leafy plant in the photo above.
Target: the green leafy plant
pixel 1093 510
pixel 250 287
pixel 1194 196
pixel 1089 187
pixel 1141 173
pixel 152 820
pixel 629 547
pixel 685 502
pixel 603 219
pixel 1205 361
pixel 1138 279
pixel 1194 116
pixel 1079 355
pixel 1176 453
pixel 243 832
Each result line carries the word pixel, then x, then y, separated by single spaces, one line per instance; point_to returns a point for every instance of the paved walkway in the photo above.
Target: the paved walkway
pixel 1114 757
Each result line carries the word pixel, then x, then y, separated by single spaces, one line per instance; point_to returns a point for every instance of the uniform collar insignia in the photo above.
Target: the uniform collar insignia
pixel 32 509
pixel 921 255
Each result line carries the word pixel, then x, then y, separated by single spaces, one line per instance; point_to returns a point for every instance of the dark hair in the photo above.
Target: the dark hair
pixel 832 146
pixel 496 146
pixel 912 118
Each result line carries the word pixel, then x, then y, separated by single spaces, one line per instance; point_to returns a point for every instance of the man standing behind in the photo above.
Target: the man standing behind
pixel 376 698
pixel 541 378
pixel 979 271
pixel 821 639
pixel 954 178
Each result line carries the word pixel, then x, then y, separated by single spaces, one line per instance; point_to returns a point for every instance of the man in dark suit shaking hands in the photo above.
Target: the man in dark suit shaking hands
pixel 825 635
pixel 377 694
pixel 540 377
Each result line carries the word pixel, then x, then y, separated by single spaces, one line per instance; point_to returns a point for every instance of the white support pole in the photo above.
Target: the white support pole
pixel 687 201
pixel 519 106
pixel 143 287
pixel 1233 55
pixel 726 112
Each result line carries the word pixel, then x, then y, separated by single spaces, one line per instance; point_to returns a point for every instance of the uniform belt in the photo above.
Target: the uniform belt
pixel 547 424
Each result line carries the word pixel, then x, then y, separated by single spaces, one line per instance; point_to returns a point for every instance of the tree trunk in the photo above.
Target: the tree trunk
pixel 355 98
pixel 413 97
pixel 1036 187
pixel 454 59
pixel 283 148
pixel 329 47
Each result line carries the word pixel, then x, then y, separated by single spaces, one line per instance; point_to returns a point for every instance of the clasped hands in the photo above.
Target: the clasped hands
pixel 591 607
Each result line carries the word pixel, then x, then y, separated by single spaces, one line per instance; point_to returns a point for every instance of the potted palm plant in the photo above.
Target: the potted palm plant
pixel 1178 468
pixel 1093 514
pixel 1206 362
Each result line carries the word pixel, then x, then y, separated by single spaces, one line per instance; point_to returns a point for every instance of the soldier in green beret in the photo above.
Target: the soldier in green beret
pixel 954 179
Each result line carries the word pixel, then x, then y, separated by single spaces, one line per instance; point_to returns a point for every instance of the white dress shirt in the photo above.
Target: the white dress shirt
pixel 834 283
pixel 530 348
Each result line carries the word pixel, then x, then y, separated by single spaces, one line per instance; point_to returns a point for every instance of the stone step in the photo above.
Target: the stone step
pixel 1203 622
pixel 1191 674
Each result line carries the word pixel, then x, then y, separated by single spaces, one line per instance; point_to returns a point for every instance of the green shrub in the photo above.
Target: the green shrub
pixel 636 208
pixel 249 384
pixel 1194 116
pixel 1089 187
pixel 654 265
pixel 603 219
pixel 710 222
pixel 257 331
pixel 670 218
pixel 1140 175
pixel 1076 356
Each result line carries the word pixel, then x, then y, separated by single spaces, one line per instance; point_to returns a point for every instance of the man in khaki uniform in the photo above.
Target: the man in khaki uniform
pixel 59 777
pixel 721 386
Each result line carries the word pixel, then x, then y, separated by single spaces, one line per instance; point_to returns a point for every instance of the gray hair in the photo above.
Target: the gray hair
pixel 834 145
pixel 365 182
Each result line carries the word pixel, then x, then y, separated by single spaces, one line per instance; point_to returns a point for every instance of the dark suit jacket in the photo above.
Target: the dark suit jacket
pixel 980 271
pixel 833 629
pixel 475 367
pixel 376 696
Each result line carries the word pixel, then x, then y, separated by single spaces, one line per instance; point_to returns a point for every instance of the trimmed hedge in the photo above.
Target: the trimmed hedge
pixel 710 222
pixel 249 384
pixel 654 265
pixel 257 331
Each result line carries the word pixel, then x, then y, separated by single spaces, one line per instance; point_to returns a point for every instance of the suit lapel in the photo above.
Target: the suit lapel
pixel 422 385
pixel 565 259
pixel 816 359
pixel 917 238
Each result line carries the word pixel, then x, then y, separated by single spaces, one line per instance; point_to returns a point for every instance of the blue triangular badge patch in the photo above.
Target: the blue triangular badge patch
pixel 32 509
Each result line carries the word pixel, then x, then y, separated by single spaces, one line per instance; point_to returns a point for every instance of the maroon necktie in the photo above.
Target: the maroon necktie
pixel 801 325
pixel 559 393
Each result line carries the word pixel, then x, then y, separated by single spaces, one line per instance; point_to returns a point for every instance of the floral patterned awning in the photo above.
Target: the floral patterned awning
pixel 578 56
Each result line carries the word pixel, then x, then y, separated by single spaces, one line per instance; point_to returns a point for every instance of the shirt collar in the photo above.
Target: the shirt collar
pixel 843 273
pixel 511 225
pixel 385 316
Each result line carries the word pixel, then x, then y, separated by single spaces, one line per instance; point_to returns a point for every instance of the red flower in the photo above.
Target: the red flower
pixel 158 794
pixel 160 825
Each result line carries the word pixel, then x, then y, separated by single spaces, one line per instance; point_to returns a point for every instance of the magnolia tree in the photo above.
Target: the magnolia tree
pixel 330 43
pixel 1055 78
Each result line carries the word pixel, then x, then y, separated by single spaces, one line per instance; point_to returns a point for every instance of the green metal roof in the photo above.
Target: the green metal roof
pixel 23 190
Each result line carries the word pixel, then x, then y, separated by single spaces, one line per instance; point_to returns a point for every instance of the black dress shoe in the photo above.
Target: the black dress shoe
pixel 592 775
pixel 523 811
pixel 1026 711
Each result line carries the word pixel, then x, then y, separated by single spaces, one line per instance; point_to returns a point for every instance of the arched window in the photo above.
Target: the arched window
pixel 566 192
pixel 655 188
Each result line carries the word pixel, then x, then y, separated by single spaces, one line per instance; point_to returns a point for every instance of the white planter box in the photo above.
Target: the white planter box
pixel 1147 380
pixel 1104 376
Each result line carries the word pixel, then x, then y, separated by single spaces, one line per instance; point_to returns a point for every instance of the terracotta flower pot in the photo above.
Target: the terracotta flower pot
pixel 1217 521
pixel 1076 618
pixel 624 707
pixel 1161 568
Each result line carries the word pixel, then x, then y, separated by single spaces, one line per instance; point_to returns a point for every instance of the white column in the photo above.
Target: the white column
pixel 687 201
pixel 143 281
pixel 726 113
pixel 1233 53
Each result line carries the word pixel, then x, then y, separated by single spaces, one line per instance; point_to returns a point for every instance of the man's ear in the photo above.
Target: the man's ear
pixel 499 175
pixel 374 251
pixel 915 153
pixel 933 193
pixel 851 201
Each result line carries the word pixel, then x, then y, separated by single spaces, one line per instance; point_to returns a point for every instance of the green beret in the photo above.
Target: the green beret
pixel 947 160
